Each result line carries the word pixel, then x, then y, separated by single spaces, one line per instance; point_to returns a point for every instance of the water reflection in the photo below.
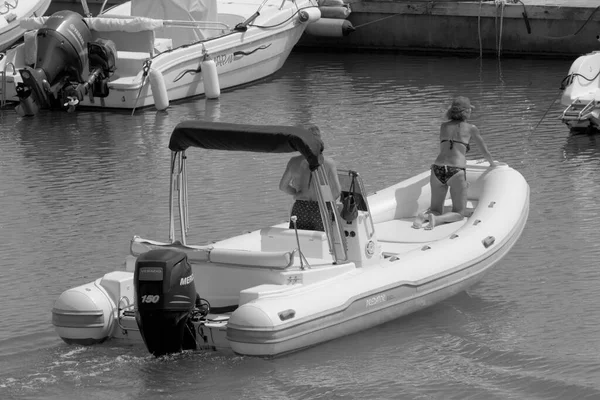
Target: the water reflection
pixel 76 187
pixel 581 148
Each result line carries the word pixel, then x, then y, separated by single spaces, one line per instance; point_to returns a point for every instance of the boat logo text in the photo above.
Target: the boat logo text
pixel 376 300
pixel 186 281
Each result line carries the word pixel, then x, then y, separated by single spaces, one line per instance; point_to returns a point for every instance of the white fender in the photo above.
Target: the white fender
pixel 339 12
pixel 159 89
pixel 309 15
pixel 212 90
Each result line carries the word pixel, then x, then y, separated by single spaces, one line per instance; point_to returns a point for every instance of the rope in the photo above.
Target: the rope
pixel 9 6
pixel 544 116
pixel 499 3
pixel 377 20
pixel 479 31
pixel 578 30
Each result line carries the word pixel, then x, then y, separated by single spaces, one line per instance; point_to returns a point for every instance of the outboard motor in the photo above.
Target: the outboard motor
pixel 165 296
pixel 62 56
pixel 102 55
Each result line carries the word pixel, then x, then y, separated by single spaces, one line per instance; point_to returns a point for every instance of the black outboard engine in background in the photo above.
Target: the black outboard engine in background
pixel 102 56
pixel 64 46
pixel 165 296
pixel 61 57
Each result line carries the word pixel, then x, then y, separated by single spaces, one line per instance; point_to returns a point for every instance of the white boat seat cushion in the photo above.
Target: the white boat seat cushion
pixel 312 243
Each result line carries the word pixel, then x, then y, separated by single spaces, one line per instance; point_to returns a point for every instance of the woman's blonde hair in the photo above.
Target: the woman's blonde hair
pixel 459 110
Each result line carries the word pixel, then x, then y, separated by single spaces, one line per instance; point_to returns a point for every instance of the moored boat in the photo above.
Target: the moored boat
pixel 581 94
pixel 278 289
pixel 145 53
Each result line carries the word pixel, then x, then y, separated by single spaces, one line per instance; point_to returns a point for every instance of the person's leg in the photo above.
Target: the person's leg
pixel 436 206
pixel 458 193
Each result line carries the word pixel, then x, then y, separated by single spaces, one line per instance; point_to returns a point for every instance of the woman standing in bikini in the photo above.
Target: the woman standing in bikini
pixel 449 168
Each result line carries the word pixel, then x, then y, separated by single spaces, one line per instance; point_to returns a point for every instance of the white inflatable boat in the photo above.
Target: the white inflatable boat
pixel 277 290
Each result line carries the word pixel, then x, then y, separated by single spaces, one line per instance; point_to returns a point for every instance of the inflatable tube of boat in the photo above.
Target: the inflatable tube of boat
pixel 210 76
pixel 159 89
pixel 309 15
pixel 330 27
pixel 84 315
pixel 339 12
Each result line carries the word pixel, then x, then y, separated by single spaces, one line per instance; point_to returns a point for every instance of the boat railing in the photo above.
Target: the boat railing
pixel 333 231
pixel 125 305
pixel 3 83
pixel 360 193
pixel 571 111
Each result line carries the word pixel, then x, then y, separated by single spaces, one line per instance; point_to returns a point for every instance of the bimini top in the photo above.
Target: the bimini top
pixel 242 137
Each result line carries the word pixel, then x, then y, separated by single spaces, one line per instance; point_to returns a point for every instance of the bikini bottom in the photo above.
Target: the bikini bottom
pixel 444 172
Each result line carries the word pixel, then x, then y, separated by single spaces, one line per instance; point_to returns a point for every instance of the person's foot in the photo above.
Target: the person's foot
pixel 419 220
pixel 431 223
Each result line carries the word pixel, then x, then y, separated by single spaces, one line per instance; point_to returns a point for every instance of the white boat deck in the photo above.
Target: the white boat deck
pixel 397 236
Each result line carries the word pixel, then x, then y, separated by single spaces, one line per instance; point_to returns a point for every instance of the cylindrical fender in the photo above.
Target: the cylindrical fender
pixel 212 90
pixel 309 15
pixel 330 27
pixel 339 12
pixel 159 89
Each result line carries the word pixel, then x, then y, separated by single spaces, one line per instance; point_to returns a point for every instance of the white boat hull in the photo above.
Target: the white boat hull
pixel 581 94
pixel 10 29
pixel 284 304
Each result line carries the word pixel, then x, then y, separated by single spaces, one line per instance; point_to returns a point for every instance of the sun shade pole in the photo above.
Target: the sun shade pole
pixel 180 196
pixel 185 196
pixel 324 198
pixel 171 184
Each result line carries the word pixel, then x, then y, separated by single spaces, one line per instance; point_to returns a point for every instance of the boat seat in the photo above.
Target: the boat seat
pixel 244 258
pixel 312 243
pixel 230 20
pixel 162 44
pixel 251 258
pixel 141 41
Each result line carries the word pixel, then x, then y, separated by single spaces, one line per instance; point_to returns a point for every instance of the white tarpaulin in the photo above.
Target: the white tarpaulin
pixel 136 24
pixel 180 10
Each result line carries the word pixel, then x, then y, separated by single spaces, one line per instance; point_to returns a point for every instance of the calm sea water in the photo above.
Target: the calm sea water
pixel 74 188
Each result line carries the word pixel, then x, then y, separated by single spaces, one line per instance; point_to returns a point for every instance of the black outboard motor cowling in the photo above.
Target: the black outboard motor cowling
pixel 165 297
pixel 61 57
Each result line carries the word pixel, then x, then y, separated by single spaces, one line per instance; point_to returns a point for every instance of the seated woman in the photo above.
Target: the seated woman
pixel 297 181
pixel 449 168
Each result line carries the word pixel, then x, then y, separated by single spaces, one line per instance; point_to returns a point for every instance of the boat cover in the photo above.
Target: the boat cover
pixel 102 24
pixel 180 10
pixel 243 137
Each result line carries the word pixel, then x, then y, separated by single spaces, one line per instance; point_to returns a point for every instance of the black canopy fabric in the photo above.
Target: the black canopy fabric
pixel 242 137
